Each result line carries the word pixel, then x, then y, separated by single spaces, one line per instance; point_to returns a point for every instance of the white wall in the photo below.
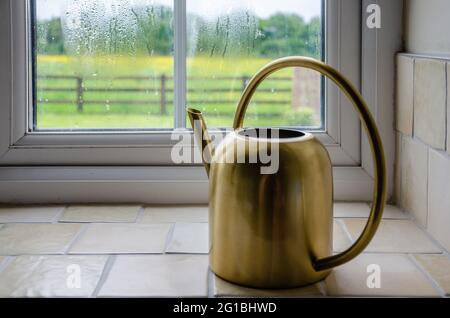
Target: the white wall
pixel 427 27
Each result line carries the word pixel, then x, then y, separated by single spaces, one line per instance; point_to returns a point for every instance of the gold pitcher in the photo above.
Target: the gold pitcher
pixel 276 230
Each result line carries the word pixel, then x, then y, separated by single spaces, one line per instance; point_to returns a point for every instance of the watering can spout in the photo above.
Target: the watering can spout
pixel 201 136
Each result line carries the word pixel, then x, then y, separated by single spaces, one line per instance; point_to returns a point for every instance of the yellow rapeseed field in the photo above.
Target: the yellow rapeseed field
pixel 214 85
pixel 150 65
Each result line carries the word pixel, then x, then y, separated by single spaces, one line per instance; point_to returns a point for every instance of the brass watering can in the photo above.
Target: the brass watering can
pixel 276 230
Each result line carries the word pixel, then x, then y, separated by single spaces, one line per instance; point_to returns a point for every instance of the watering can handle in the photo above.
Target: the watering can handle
pixel 379 193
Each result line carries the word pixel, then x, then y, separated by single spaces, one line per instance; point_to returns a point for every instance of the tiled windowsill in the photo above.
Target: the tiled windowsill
pixel 134 251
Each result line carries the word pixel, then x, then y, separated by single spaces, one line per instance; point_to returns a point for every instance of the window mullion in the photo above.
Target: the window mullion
pixel 180 63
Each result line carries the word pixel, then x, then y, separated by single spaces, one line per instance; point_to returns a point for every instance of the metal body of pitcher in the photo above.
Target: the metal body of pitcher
pixel 266 229
pixel 275 230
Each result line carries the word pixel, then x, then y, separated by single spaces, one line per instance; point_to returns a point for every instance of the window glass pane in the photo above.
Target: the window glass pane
pixel 108 64
pixel 230 40
pixel 103 64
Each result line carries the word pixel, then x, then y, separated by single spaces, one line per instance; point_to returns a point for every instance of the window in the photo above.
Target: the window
pixel 83 113
pixel 88 76
pixel 109 64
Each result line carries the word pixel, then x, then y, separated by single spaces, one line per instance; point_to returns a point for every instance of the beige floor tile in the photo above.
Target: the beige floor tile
pixel 101 214
pixel 157 276
pixel 396 195
pixel 222 288
pixel 193 238
pixel 438 267
pixel 430 93
pixel 414 179
pixel 16 239
pixel 115 238
pixel 439 198
pixel 29 214
pixel 394 213
pixel 341 241
pixel 397 277
pixel 173 214
pixel 394 236
pixel 362 210
pixel 189 238
pixel 351 210
pixel 405 94
pixel 51 276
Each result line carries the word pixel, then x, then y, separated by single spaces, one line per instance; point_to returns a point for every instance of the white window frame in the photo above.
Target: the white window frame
pixel 110 167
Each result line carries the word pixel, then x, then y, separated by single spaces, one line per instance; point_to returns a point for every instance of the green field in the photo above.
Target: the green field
pixel 112 98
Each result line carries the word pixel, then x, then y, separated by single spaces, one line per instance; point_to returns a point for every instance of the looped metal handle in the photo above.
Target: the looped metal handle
pixel 379 192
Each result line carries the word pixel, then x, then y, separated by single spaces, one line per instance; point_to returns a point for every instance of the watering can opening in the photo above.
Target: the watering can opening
pixel 274 134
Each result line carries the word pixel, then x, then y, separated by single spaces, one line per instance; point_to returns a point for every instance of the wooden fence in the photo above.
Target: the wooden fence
pixel 165 91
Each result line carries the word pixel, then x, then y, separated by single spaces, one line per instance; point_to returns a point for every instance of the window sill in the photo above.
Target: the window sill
pixel 143 184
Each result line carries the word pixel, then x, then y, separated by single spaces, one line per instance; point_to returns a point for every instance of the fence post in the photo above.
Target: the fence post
pixel 163 94
pixel 244 82
pixel 298 94
pixel 80 101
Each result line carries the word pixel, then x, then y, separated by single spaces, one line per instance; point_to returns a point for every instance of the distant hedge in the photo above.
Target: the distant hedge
pixel 148 30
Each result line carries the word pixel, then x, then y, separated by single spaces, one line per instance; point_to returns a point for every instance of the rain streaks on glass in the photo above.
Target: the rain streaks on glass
pixel 104 64
pixel 108 64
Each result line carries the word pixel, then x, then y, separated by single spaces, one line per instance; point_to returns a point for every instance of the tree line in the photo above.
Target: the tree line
pixel 149 30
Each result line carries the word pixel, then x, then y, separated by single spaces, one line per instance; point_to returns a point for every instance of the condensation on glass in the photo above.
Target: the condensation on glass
pixel 104 64
pixel 109 64
pixel 230 40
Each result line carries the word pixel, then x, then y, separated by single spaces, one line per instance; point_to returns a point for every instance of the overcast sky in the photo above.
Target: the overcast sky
pixel 208 8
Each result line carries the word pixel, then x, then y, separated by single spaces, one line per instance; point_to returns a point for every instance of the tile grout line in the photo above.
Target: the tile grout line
pixel 403 173
pixel 169 237
pixel 446 254
pixel 410 258
pixel 400 168
pixel 427 197
pixel 400 252
pixel 406 215
pixel 6 262
pixel 84 228
pixel 422 229
pixel 59 215
pixel 430 237
pixel 323 287
pixel 210 284
pixel 413 97
pixel 104 276
pixel 426 274
pixel 140 215
pixel 446 107
pixel 423 143
pixel 344 228
pixel 419 56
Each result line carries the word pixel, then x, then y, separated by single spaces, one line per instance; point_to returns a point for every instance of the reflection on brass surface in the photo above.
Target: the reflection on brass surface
pixel 275 230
